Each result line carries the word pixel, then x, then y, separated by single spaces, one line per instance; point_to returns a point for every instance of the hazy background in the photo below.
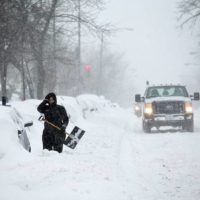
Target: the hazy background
pixel 110 50
pixel 157 49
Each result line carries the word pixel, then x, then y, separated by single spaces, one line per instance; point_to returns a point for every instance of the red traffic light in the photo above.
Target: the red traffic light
pixel 88 68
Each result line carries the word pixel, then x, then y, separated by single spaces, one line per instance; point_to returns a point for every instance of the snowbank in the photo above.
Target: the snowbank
pixel 41 174
pixel 114 159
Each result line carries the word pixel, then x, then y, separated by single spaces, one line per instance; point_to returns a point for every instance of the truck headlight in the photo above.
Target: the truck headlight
pixel 137 108
pixel 148 109
pixel 188 107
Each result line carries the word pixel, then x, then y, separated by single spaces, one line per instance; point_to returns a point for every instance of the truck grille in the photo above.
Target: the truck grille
pixel 168 107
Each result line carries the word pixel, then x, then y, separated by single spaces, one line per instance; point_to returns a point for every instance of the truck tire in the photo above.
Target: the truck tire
pixel 189 127
pixel 146 127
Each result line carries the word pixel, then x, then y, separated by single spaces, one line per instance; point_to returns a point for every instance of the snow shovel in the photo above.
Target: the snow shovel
pixel 72 138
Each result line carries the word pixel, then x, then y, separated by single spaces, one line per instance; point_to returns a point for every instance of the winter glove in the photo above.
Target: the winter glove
pixel 63 127
pixel 45 101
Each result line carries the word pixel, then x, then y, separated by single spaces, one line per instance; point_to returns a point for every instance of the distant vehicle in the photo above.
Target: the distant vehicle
pixel 138 109
pixel 167 105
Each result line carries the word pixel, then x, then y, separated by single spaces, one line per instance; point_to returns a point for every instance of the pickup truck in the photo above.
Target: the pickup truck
pixel 167 105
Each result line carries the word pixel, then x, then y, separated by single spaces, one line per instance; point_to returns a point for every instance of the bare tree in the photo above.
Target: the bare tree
pixel 189 11
pixel 9 35
pixel 190 14
pixel 38 31
pixel 31 38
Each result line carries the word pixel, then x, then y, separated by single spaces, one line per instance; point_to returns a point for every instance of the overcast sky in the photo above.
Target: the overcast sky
pixel 157 48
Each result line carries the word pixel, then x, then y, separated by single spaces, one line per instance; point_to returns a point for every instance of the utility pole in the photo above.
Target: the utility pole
pixel 54 35
pixel 79 46
pixel 22 66
pixel 22 61
pixel 101 62
pixel 54 46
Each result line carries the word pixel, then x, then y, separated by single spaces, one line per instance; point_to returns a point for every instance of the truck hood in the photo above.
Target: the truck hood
pixel 172 98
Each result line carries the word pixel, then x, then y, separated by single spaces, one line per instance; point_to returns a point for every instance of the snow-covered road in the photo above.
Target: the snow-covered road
pixel 114 159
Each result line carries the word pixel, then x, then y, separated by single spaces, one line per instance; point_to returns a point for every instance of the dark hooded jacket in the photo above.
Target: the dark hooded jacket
pixel 54 113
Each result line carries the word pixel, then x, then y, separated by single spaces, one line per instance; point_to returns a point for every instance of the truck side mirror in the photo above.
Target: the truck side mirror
pixel 196 96
pixel 137 98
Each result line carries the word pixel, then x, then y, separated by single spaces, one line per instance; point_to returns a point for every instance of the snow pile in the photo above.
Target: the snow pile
pixel 82 173
pixel 113 160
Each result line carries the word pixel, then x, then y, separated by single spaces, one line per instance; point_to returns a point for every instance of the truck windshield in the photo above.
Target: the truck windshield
pixel 165 91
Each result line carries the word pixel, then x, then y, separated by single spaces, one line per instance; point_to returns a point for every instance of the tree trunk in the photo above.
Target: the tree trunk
pixel 29 82
pixel 3 79
pixel 41 73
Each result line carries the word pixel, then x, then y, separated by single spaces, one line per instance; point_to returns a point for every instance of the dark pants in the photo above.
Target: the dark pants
pixel 52 141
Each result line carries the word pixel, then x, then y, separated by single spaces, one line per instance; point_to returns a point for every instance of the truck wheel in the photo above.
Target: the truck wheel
pixel 146 127
pixel 189 127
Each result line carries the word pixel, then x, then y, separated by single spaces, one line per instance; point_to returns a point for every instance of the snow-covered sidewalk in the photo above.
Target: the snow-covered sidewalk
pixel 114 159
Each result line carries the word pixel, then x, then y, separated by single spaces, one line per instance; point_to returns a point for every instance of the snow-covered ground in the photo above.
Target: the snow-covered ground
pixel 114 160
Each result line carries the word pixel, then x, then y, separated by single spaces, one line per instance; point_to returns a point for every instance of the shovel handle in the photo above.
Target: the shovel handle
pixel 41 118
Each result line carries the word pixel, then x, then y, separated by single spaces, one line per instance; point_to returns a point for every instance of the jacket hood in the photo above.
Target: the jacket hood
pixel 53 95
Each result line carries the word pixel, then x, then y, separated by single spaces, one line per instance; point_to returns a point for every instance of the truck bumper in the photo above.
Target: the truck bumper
pixel 169 120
